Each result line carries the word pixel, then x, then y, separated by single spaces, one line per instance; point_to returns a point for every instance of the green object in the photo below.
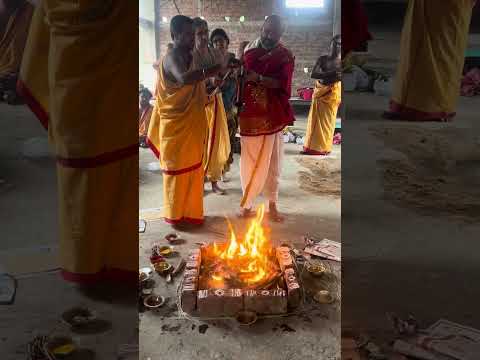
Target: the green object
pixel 472 53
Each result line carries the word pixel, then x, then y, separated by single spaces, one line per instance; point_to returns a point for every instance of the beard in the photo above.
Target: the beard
pixel 268 43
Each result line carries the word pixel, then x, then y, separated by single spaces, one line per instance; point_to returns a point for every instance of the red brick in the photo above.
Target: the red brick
pixel 219 302
pixel 266 301
pixel 293 288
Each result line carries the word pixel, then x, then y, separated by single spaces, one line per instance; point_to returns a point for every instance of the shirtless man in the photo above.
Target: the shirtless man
pixel 178 128
pixel 328 68
pixel 325 101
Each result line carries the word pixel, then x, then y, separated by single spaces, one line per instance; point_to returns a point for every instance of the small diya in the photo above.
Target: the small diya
pixel 316 269
pixel 324 297
pixel 166 251
pixel 247 317
pixel 154 301
pixel 162 267
pixel 61 346
pixel 78 316
pixel 143 277
pixel 173 238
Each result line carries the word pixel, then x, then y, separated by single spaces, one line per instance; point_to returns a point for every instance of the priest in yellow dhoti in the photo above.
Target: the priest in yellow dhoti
pixel 15 18
pixel 432 54
pixel 78 79
pixel 178 128
pixel 326 99
pixel 322 119
pixel 217 149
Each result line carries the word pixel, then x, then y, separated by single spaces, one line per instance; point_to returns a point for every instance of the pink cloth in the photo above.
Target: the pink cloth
pixel 337 139
pixel 471 83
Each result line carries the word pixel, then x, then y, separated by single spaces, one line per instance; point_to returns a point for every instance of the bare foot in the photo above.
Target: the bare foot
pixel 216 189
pixel 246 213
pixel 273 213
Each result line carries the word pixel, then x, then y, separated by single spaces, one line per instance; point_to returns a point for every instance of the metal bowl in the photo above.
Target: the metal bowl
pixel 142 277
pixel 154 301
pixel 166 250
pixel 316 269
pixel 173 238
pixel 247 317
pixel 162 267
pixel 78 316
pixel 324 297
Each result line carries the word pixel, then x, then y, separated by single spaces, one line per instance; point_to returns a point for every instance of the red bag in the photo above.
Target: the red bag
pixel 305 93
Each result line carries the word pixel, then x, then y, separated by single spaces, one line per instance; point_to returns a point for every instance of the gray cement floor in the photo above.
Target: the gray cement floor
pixel 396 259
pixel 316 332
pixel 28 221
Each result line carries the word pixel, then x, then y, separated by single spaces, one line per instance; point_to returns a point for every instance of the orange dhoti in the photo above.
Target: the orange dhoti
pixel 218 143
pixel 177 135
pixel 90 130
pixel 322 119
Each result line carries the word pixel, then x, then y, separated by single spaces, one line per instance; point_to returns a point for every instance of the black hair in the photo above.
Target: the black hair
pixel 219 32
pixel 177 24
pixel 145 92
pixel 197 22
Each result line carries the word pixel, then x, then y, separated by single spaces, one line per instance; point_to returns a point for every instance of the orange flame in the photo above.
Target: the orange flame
pixel 248 256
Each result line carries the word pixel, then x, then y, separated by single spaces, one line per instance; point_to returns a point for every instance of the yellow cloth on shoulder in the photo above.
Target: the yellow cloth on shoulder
pixel 178 126
pixel 322 117
pixel 218 143
pixel 177 134
pixel 432 53
pixel 13 39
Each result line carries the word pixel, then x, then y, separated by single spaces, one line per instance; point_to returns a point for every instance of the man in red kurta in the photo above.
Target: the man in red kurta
pixel 266 112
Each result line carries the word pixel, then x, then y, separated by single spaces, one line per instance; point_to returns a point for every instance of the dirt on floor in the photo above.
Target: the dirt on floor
pixel 436 171
pixel 323 176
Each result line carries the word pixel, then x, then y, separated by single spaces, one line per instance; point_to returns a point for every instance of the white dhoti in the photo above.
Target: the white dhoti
pixel 260 167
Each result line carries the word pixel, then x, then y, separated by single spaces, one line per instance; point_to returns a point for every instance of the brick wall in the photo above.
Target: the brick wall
pixel 308 33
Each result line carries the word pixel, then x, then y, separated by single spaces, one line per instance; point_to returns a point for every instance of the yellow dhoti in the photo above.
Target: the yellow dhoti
pixel 13 39
pixel 322 118
pixel 432 54
pixel 177 135
pixel 218 143
pixel 90 129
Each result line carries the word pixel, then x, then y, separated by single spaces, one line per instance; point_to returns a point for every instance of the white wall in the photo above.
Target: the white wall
pixel 337 25
pixel 146 44
pixel 146 9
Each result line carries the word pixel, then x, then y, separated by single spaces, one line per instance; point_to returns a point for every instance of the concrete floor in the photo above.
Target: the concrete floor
pixel 28 246
pixel 396 259
pixel 317 328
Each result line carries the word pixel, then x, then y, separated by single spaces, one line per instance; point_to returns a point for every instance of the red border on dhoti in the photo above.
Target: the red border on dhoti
pixel 406 113
pixel 184 220
pixel 32 103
